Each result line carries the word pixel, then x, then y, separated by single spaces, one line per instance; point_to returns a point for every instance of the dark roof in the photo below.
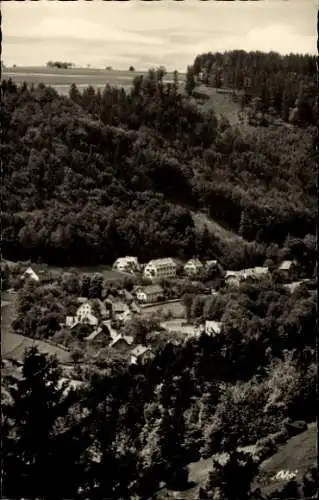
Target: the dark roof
pixel 153 289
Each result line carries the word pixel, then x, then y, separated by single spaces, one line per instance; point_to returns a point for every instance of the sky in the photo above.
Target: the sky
pixel 145 34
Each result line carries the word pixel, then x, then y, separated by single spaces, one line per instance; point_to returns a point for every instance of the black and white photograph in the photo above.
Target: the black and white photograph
pixel 159 211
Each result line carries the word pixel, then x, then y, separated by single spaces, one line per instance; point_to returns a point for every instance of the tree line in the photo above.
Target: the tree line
pixel 132 428
pixel 97 175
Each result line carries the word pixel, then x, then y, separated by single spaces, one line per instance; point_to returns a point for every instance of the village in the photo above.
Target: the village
pixel 153 301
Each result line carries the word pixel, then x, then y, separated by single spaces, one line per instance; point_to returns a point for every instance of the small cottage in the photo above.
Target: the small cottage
pixel 193 267
pixel 234 278
pixel 287 269
pixel 126 264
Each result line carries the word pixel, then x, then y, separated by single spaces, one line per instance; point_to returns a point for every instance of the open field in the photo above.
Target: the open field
pixel 13 345
pixel 108 273
pixel 61 79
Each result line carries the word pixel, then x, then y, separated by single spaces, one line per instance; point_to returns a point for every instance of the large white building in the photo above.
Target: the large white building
pixel 158 269
pixel 126 264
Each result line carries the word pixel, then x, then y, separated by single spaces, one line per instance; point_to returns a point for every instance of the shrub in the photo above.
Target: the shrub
pixel 268 448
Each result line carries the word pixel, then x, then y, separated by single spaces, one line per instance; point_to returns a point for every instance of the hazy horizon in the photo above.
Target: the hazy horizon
pixel 143 34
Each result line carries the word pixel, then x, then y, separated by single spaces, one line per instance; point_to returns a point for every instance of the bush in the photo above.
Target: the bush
pixel 296 427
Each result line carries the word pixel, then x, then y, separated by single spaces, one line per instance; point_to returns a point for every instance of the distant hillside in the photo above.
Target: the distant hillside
pixel 298 455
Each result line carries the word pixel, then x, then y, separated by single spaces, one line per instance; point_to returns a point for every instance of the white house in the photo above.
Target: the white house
pixel 160 268
pixel 140 353
pixel 122 342
pixel 126 264
pixel 84 314
pixel 29 273
pixel 149 294
pixel 212 328
pixel 236 277
pixel 193 266
pixel 113 333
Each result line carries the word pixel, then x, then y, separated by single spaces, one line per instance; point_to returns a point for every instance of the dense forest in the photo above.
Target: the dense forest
pixel 101 174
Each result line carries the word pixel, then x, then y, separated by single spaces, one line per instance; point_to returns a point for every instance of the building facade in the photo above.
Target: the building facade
pixel 158 269
pixel 193 267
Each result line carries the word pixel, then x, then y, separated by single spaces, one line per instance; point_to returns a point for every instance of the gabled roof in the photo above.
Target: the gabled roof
pixel 126 294
pixel 135 307
pixel 286 265
pixel 126 259
pixel 126 338
pixel 193 262
pixel 94 334
pixel 119 306
pixel 245 273
pixel 213 325
pixel 211 263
